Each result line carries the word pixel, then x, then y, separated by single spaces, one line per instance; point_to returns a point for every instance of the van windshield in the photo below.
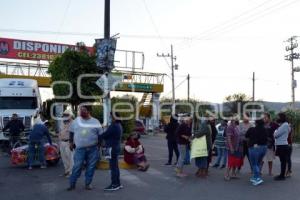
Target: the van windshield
pixel 18 103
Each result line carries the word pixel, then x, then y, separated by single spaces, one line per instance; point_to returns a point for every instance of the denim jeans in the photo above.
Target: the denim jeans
pixel 187 159
pixel 256 155
pixel 182 156
pixel 222 154
pixel 36 149
pixel 172 147
pixel 89 155
pixel 114 168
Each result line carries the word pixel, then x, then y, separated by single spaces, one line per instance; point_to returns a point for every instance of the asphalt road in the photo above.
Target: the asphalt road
pixel 159 183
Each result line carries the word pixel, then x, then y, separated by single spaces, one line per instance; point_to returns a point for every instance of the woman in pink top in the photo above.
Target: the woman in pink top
pixel 235 150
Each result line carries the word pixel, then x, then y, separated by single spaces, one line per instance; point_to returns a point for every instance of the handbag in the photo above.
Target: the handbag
pixel 107 153
pixel 199 147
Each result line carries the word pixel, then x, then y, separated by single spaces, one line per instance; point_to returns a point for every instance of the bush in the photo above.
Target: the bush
pixel 294 119
pixel 128 125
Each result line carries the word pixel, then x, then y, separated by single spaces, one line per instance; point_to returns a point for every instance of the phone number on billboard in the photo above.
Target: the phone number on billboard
pixel 36 56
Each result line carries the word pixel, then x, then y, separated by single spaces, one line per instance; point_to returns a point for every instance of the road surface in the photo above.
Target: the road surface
pixel 159 183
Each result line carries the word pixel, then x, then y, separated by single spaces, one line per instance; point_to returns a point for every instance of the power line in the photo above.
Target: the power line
pixel 233 24
pixel 230 77
pixel 135 36
pixel 64 17
pixel 254 17
pixel 156 29
pixel 158 36
pixel 230 20
pixel 177 86
pixel 216 77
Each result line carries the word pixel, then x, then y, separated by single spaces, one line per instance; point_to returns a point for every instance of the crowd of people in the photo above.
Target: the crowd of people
pixel 80 140
pixel 260 141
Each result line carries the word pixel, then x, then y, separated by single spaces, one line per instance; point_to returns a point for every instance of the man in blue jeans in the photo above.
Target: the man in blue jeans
pixel 39 131
pixel 258 137
pixel 84 138
pixel 112 137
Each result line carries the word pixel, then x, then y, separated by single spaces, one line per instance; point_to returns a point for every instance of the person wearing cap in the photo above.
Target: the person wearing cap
pixel 39 131
pixel 15 127
pixel 64 143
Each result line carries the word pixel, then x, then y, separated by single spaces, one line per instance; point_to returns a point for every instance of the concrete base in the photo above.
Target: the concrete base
pixel 104 165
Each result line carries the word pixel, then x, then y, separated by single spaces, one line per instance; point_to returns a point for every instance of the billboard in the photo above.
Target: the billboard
pixel 32 50
pixel 106 49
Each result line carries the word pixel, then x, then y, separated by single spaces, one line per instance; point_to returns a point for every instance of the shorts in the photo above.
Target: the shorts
pixel 234 161
pixel 270 155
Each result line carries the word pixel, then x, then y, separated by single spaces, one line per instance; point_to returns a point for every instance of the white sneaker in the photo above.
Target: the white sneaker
pixel 252 180
pixel 258 182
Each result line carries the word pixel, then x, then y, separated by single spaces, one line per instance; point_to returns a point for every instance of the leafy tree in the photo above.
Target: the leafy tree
pixel 182 108
pixel 235 102
pixel 294 119
pixel 68 67
pixel 128 124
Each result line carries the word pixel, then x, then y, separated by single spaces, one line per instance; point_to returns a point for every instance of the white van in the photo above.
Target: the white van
pixel 20 96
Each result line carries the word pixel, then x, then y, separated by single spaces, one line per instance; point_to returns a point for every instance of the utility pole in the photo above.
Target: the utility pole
pixel 291 57
pixel 253 87
pixel 106 99
pixel 107 19
pixel 188 89
pixel 173 67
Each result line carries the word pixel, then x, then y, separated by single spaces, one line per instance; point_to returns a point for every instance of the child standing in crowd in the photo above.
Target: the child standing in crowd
pixel 220 144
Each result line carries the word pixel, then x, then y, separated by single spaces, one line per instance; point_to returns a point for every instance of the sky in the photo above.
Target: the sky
pixel 219 43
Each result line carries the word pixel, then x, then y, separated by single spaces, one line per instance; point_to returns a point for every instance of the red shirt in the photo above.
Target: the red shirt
pixel 129 157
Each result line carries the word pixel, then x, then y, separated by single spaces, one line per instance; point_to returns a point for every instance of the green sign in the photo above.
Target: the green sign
pixel 140 86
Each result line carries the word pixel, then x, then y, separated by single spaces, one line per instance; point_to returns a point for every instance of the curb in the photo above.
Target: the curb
pixel 296 145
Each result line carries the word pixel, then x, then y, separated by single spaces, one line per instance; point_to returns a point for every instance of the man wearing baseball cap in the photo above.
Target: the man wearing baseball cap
pixel 64 143
pixel 15 127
